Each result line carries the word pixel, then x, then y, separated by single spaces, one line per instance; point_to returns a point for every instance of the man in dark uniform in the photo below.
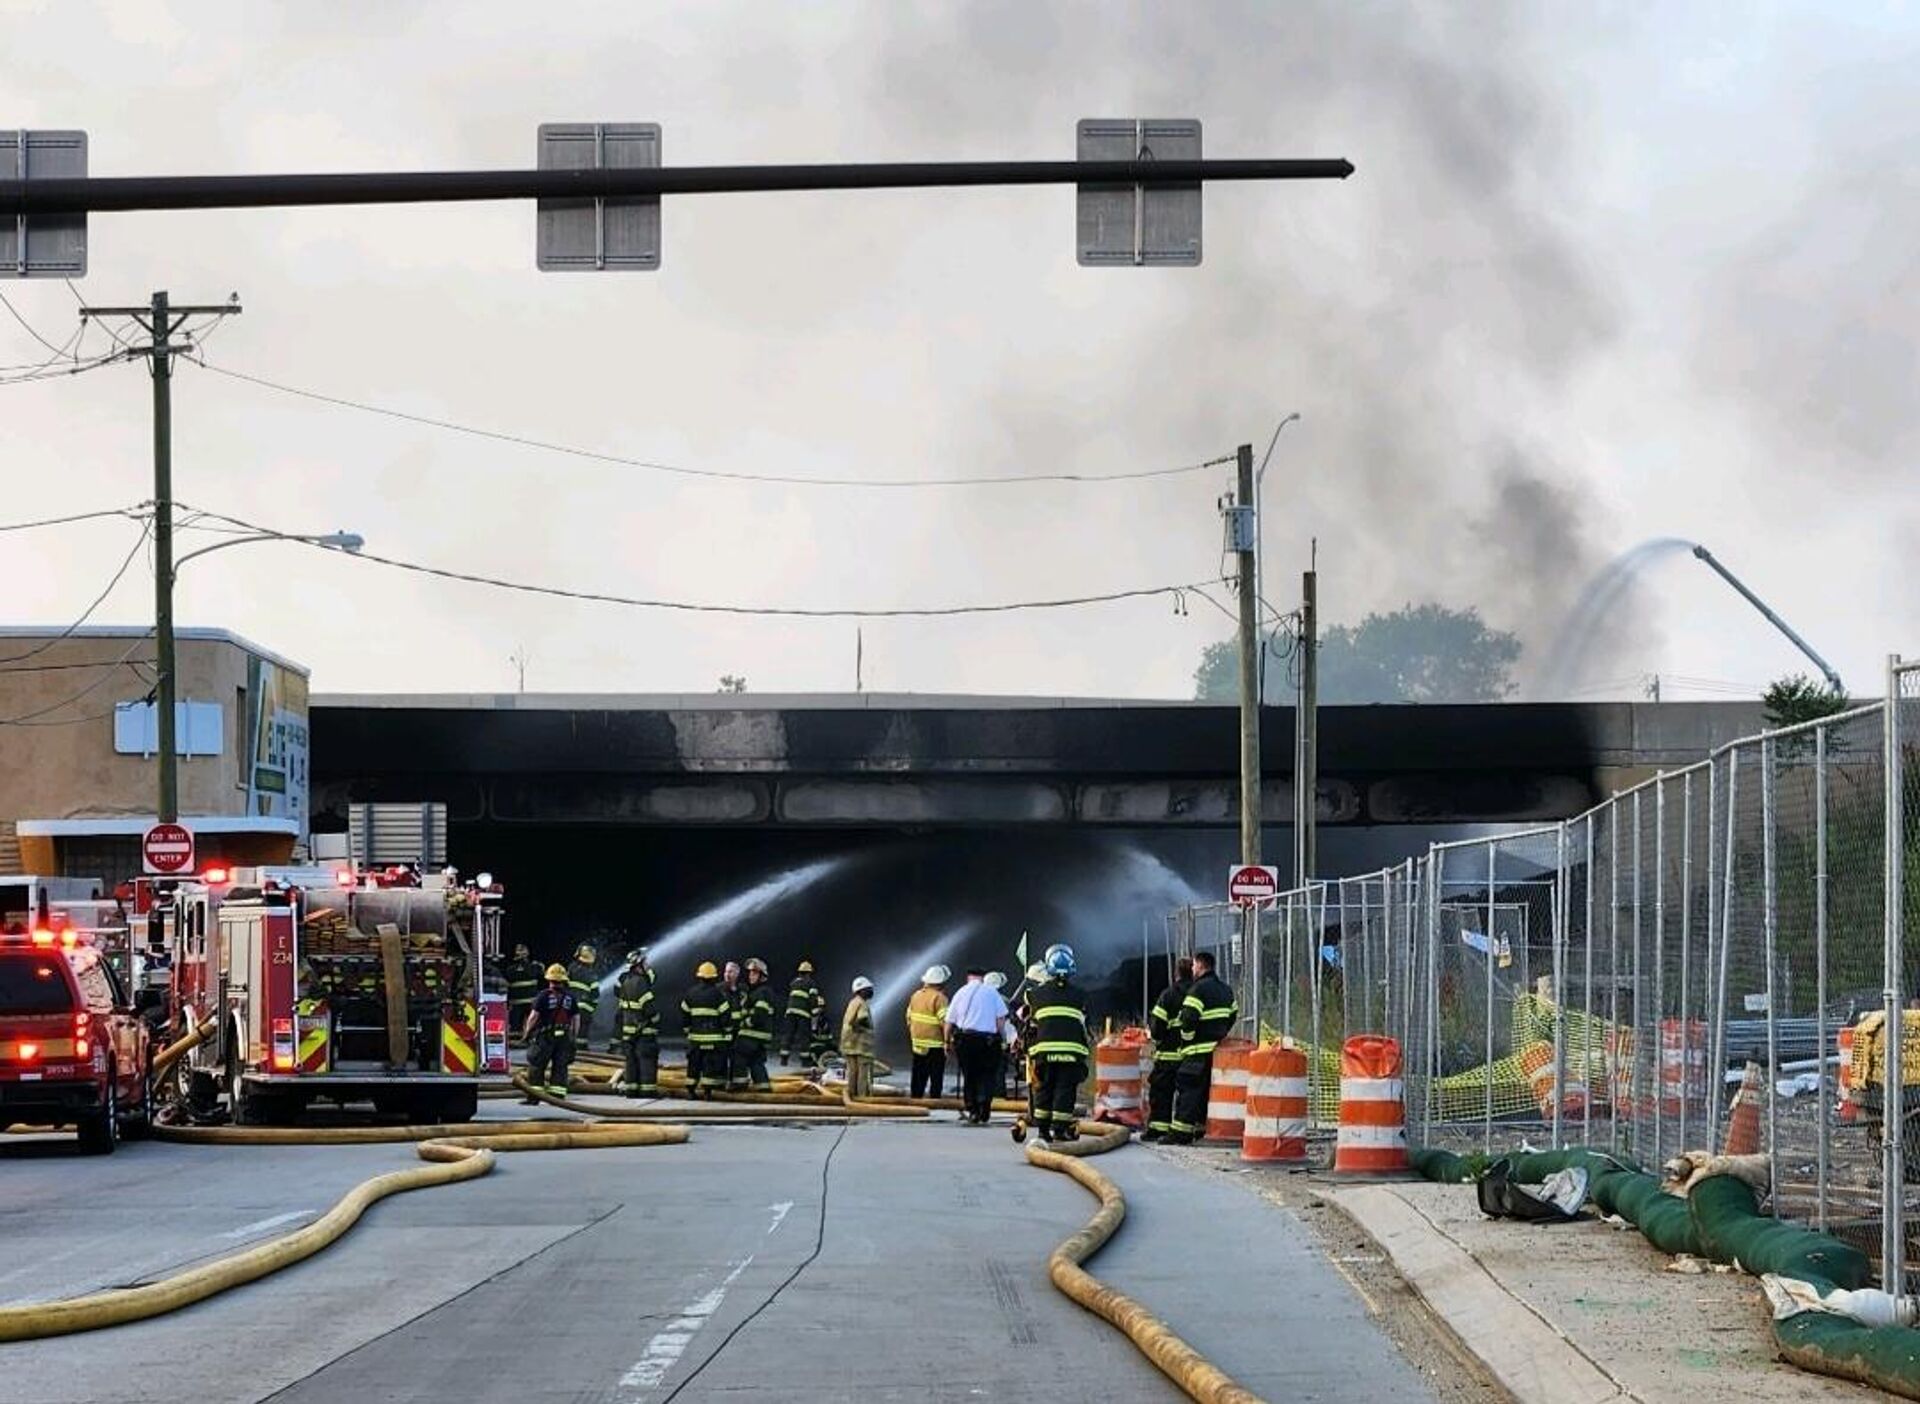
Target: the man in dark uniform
pixel 640 1028
pixel 549 1034
pixel 1163 1027
pixel 753 1032
pixel 1206 1016
pixel 523 983
pixel 1060 1049
pixel 804 1000
pixel 583 976
pixel 704 1015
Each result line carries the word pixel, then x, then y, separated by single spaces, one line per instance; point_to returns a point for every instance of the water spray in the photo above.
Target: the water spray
pixel 902 981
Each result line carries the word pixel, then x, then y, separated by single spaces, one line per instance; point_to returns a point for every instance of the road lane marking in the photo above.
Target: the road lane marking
pixel 669 1344
pixel 780 1212
pixel 259 1224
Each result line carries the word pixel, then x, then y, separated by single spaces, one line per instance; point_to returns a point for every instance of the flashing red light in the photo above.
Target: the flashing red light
pixel 42 936
pixel 82 1027
pixel 283 1045
pixel 216 876
pixel 344 877
pixel 29 1051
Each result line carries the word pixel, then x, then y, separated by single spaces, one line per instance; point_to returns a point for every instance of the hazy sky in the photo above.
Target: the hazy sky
pixel 1639 272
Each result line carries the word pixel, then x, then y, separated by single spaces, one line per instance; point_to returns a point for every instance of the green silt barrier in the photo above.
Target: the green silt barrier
pixel 1721 1220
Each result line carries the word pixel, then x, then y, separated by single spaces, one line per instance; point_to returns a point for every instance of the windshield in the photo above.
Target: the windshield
pixel 33 983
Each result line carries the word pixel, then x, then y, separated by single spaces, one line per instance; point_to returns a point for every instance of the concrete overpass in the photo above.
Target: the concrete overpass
pixel 918 762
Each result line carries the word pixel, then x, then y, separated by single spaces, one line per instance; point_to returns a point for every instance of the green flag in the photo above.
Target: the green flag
pixel 1020 952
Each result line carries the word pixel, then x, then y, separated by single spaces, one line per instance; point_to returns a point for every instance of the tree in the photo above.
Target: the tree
pixel 1798 698
pixel 1417 653
pixel 729 682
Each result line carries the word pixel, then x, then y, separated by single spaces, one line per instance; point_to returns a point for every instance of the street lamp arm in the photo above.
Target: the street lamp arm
pixel 337 540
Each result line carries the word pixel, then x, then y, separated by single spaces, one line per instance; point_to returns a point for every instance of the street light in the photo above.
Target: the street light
pixel 164 688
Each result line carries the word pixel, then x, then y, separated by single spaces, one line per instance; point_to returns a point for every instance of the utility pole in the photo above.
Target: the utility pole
pixel 161 320
pixel 1306 736
pixel 1246 546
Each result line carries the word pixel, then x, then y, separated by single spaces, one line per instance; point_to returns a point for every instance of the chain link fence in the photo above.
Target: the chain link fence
pixel 1714 959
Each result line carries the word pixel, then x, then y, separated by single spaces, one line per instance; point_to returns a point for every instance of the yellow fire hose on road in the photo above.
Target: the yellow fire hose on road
pixel 454 1153
pixel 730 1106
pixel 1156 1340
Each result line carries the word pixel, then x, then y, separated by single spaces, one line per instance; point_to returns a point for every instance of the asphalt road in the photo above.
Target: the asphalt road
pixel 888 1261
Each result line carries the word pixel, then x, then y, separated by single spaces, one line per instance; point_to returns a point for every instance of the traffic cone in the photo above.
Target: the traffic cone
pixel 1743 1115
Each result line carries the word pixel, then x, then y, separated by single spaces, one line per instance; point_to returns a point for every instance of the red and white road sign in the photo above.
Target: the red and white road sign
pixel 167 849
pixel 1252 884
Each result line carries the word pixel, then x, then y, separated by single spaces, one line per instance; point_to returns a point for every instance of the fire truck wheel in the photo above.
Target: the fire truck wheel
pixel 140 1124
pixel 242 1107
pixel 100 1131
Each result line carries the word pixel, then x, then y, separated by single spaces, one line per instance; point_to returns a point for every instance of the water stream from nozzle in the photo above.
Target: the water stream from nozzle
pixel 715 922
pixel 900 983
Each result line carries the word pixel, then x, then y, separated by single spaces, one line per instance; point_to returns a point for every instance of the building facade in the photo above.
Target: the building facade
pixel 79 775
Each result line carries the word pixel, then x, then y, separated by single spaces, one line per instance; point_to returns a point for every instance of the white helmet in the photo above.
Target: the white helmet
pixel 996 979
pixel 1036 972
pixel 862 985
pixel 936 975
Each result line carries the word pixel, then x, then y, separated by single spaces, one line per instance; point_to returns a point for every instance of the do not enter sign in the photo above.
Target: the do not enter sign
pixel 167 849
pixel 1252 884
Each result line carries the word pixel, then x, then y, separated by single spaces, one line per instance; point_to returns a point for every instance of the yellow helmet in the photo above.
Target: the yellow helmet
pixel 806 967
pixel 556 971
pixel 585 953
pixel 706 971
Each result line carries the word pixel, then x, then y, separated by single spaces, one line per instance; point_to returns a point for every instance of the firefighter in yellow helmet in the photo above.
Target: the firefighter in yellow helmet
pixel 583 975
pixel 804 1001
pixel 704 1014
pixel 549 1033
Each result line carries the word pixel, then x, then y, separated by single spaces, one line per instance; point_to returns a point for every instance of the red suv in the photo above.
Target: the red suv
pixel 72 1047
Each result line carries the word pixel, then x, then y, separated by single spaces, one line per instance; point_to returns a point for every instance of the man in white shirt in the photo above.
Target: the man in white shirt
pixel 976 1022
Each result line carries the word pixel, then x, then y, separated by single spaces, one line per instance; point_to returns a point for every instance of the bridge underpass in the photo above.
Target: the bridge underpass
pixel 874 833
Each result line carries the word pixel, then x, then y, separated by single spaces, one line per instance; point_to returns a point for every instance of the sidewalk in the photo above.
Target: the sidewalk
pixel 1578 1313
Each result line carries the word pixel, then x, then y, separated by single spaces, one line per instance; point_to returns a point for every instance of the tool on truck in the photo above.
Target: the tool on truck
pixel 326 986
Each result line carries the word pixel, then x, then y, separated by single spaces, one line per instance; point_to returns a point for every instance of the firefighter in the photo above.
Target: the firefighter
pixel 548 1033
pixel 997 980
pixel 1165 1032
pixel 1059 1047
pixel 927 1032
pixel 804 1000
pixel 856 1038
pixel 820 1038
pixel 640 1028
pixel 1022 1022
pixel 703 1015
pixel 523 983
pixel 732 1077
pixel 753 1035
pixel 584 977
pixel 1206 1015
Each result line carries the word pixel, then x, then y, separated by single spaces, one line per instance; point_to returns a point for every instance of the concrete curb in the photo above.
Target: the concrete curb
pixel 1530 1359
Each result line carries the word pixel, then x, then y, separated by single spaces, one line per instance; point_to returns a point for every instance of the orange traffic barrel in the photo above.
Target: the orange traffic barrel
pixel 1373 1114
pixel 1117 1090
pixel 1227 1091
pixel 1276 1104
pixel 1743 1116
pixel 1536 1061
pixel 1620 1090
pixel 1843 1041
pixel 1683 1063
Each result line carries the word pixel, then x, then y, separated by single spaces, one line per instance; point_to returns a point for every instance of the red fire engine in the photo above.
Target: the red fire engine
pixel 333 985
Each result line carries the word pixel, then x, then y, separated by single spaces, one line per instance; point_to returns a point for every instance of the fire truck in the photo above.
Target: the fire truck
pixel 332 985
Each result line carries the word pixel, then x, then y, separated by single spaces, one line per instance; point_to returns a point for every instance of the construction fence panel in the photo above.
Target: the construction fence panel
pixel 1900 915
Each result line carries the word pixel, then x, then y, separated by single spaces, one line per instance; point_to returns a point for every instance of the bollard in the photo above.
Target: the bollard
pixel 1373 1116
pixel 1276 1105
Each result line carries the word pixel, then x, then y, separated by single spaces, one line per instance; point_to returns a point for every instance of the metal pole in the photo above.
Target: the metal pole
pixel 1586 997
pixel 1639 988
pixel 1820 968
pixel 1710 964
pixel 1249 670
pixel 1436 862
pixel 1686 950
pixel 1769 924
pixel 1717 1067
pixel 1251 921
pixel 1286 974
pixel 1621 1044
pixel 1893 1246
pixel 166 682
pixel 1492 855
pixel 1306 760
pixel 1559 988
pixel 1146 994
pixel 73 195
pixel 1316 937
pixel 1660 970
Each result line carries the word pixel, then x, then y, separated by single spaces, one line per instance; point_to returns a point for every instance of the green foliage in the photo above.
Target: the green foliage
pixel 1417 653
pixel 1798 698
pixel 730 682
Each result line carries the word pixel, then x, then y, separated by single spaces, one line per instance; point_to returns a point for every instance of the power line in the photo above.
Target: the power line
pixel 109 671
pixel 145 529
pixel 1178 592
pixel 29 327
pixel 133 513
pixel 682 470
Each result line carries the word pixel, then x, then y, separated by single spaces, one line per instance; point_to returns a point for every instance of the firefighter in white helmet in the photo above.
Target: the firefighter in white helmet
pixel 927 1032
pixel 856 1038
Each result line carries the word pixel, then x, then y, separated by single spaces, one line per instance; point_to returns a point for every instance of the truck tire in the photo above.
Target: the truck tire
pixel 100 1130
pixel 243 1109
pixel 140 1124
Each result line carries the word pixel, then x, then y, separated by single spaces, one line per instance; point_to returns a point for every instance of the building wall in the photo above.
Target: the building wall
pixel 57 758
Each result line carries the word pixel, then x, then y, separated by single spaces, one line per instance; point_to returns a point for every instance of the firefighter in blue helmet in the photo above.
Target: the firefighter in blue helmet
pixel 1059 1047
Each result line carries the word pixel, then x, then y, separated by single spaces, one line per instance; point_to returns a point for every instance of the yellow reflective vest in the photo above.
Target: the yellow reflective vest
pixel 927 1019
